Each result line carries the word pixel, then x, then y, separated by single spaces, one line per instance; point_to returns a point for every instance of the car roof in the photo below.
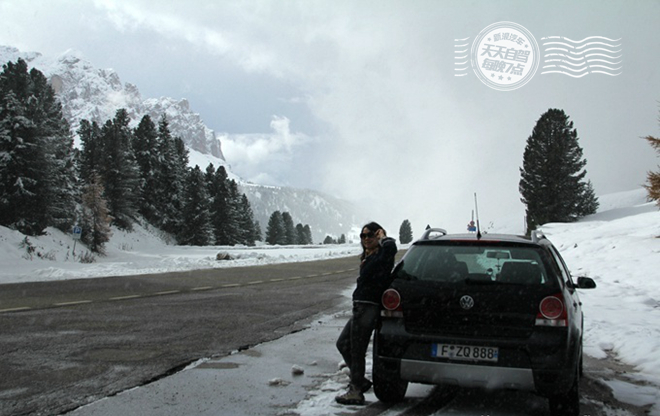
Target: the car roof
pixel 440 235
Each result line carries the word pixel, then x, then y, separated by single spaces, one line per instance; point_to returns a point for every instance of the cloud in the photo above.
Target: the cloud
pixel 395 130
pixel 265 158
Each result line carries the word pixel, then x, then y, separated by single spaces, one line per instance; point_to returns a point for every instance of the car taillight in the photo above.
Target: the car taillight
pixel 552 312
pixel 392 303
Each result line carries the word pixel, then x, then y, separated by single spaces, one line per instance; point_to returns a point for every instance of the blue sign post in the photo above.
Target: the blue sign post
pixel 75 234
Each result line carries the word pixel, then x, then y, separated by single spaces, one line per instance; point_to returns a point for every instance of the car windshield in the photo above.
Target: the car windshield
pixel 475 264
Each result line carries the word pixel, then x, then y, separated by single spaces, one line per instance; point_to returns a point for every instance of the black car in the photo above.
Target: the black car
pixel 491 311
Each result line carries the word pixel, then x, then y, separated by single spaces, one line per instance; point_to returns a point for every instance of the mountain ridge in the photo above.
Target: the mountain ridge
pixel 94 94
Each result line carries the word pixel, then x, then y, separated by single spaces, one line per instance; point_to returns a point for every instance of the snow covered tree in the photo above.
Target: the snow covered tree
pixel 170 180
pixel 275 231
pixel 405 232
pixel 653 178
pixel 552 181
pixel 308 234
pixel 145 145
pixel 197 229
pixel 246 222
pixel 96 218
pixel 257 231
pixel 289 229
pixel 91 153
pixel 37 170
pixel 120 171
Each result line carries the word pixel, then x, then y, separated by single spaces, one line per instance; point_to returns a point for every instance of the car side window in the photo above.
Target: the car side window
pixel 565 273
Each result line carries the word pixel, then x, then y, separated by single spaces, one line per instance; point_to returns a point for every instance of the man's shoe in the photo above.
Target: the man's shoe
pixel 352 396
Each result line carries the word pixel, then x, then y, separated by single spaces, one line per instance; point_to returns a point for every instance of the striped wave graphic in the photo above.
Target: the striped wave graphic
pixel 577 58
pixel 461 57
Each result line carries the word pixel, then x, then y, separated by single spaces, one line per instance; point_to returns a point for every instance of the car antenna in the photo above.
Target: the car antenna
pixel 476 210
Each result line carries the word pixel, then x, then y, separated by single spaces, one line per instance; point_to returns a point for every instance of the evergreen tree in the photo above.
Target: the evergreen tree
pixel 552 181
pixel 342 239
pixel 170 180
pixel 329 240
pixel 96 218
pixel 275 232
pixel 257 231
pixel 234 202
pixel 289 229
pixel 653 178
pixel 246 222
pixel 220 207
pixel 308 234
pixel 91 153
pixel 405 232
pixel 145 145
pixel 120 172
pixel 300 234
pixel 37 170
pixel 198 230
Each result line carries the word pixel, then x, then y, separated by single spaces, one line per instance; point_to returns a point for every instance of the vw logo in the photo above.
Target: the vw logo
pixel 466 302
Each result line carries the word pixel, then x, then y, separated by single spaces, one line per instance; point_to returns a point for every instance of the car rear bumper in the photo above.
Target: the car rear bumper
pixel 465 375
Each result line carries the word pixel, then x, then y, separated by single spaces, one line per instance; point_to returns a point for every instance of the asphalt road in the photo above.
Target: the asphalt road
pixel 68 343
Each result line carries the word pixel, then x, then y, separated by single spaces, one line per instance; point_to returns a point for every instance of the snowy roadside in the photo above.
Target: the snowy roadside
pixel 55 255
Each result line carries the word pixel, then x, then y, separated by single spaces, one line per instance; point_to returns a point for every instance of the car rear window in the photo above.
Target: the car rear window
pixel 521 265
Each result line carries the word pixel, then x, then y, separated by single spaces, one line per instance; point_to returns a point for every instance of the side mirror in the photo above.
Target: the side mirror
pixel 586 283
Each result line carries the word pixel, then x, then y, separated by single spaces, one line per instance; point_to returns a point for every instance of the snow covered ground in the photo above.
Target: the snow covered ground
pixel 619 247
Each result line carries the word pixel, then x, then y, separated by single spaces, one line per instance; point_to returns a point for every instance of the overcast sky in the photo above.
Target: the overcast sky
pixel 359 99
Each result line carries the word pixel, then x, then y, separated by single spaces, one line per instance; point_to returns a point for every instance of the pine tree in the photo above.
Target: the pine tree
pixel 289 229
pixel 145 145
pixel 37 169
pixel 405 232
pixel 257 231
pixel 96 218
pixel 275 232
pixel 653 178
pixel 300 234
pixel 246 222
pixel 222 228
pixel 552 181
pixel 198 230
pixel 170 179
pixel 91 153
pixel 120 171
pixel 308 234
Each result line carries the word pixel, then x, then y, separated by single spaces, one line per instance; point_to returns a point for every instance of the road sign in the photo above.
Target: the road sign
pixel 76 232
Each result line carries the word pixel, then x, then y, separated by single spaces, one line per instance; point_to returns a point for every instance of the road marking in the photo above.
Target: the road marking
pixel 77 302
pixel 231 285
pixel 167 292
pixel 20 308
pixel 126 297
pixel 256 282
pixel 276 280
pixel 295 278
pixel 202 288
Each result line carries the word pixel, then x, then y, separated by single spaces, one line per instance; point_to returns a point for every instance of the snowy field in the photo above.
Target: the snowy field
pixel 619 247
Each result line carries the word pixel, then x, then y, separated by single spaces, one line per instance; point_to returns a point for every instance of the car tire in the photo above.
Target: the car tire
pixel 388 386
pixel 567 404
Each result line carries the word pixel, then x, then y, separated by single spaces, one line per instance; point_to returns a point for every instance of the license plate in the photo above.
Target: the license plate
pixel 465 352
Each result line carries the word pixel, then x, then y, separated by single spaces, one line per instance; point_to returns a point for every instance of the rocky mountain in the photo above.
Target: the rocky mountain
pixel 87 92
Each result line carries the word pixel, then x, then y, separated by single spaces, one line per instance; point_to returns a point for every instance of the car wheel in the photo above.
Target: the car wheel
pixel 388 386
pixel 567 404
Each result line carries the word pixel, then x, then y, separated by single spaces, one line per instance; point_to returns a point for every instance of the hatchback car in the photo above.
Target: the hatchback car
pixel 492 312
